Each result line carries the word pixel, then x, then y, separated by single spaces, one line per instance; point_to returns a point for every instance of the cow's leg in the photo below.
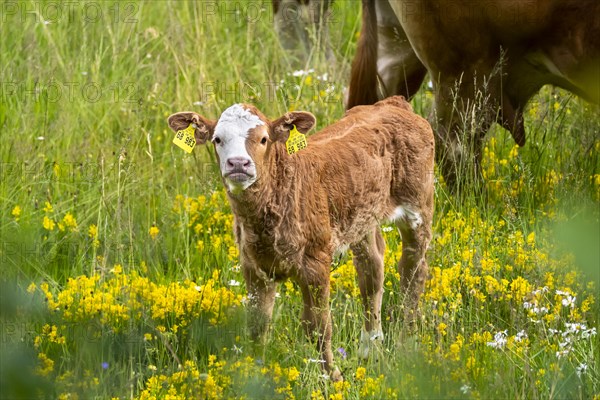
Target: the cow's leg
pixel 261 299
pixel 415 227
pixel 465 108
pixel 316 316
pixel 400 70
pixel 291 30
pixel 368 259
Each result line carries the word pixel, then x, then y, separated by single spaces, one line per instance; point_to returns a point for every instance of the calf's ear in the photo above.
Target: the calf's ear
pixel 281 127
pixel 204 127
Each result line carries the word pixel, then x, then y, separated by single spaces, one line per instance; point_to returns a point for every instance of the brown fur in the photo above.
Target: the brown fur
pixel 351 177
pixel 514 47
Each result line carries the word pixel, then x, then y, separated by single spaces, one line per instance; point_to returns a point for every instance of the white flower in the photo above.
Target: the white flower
pixel 198 103
pixel 198 288
pixel 387 229
pixel 302 72
pixel 521 336
pixel 247 299
pixel 233 282
pixel 562 353
pixel 542 290
pixel 575 327
pixel 499 340
pixel 569 301
pixel 465 388
pixel 581 369
pixel 238 350
pixel 588 332
pixel 566 343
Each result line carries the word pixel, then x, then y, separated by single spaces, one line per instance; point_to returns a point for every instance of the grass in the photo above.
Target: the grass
pixel 134 291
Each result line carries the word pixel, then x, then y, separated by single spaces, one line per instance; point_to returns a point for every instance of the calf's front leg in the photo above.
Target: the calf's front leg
pixel 261 299
pixel 316 317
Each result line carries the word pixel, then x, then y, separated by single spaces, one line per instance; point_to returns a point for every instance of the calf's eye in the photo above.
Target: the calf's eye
pixel 263 140
pixel 217 140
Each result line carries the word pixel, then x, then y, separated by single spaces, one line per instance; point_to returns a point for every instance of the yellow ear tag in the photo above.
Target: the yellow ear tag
pixel 185 138
pixel 296 141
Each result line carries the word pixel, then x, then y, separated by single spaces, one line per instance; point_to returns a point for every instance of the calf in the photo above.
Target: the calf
pixel 292 212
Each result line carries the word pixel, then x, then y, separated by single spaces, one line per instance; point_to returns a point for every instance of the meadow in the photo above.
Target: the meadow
pixel 119 272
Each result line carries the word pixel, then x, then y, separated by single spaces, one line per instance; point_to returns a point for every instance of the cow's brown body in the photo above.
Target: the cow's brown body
pixel 374 165
pixel 504 49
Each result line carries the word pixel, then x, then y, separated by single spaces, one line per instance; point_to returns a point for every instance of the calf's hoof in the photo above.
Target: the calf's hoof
pixel 336 375
pixel 368 341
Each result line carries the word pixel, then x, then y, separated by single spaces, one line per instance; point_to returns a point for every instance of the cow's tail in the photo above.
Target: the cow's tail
pixel 363 78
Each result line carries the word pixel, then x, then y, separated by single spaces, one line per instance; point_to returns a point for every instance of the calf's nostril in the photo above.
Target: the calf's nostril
pixel 238 162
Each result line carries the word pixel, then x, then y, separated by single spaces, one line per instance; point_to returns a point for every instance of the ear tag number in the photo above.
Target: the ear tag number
pixel 296 141
pixel 185 138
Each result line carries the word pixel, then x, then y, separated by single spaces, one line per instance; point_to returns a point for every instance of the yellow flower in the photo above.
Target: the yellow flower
pixel 70 222
pixel 153 231
pixel 47 364
pixel 317 395
pixel 93 231
pixel 360 374
pixel 48 207
pixel 48 224
pixel 31 288
pixel 442 328
pixel 16 212
pixel 117 269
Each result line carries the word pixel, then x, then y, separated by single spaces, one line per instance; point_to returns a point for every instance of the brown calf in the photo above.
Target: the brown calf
pixel 292 212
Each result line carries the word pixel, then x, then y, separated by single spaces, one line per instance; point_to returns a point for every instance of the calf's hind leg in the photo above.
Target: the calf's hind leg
pixel 368 260
pixel 415 228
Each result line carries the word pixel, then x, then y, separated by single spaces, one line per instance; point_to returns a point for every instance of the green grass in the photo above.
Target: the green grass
pixel 97 87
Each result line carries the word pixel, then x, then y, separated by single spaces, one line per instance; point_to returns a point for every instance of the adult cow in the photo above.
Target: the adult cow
pixel 501 50
pixel 302 29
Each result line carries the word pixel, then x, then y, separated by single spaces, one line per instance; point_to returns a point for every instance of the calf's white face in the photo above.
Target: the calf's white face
pixel 241 138
pixel 231 139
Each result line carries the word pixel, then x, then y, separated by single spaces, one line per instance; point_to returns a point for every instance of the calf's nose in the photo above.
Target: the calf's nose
pixel 238 163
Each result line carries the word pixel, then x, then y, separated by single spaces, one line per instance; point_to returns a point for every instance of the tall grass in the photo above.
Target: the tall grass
pixel 84 100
